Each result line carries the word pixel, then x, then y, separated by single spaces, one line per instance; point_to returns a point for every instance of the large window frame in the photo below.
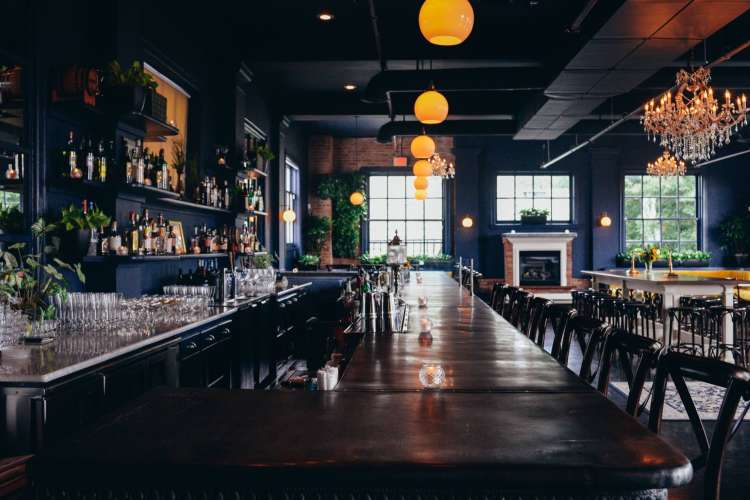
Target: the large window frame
pixel 655 205
pixel 291 199
pixel 514 195
pixel 429 210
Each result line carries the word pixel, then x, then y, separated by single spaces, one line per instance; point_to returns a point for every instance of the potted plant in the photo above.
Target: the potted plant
pixel 734 235
pixel 128 91
pixel 264 154
pixel 309 262
pixel 691 258
pixel 534 215
pixel 439 262
pixel 179 162
pixel 82 228
pixel 317 230
pixel 28 282
pixel 11 220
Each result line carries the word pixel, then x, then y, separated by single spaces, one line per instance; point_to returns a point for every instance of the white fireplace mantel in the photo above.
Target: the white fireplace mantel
pixel 539 242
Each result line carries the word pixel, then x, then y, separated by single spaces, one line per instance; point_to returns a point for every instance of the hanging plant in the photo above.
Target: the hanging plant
pixel 346 217
pixel 317 230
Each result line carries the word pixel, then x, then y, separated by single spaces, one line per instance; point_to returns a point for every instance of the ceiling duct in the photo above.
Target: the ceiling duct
pixel 451 127
pixel 642 37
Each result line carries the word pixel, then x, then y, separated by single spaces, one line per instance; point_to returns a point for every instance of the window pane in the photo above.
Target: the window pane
pixel 561 186
pixel 687 208
pixel 414 231
pixel 669 186
pixel 651 231
pixel 505 187
pixel 542 186
pixel 633 185
pixel 378 231
pixel 377 209
pixel 396 186
pixel 414 209
pixel 378 186
pixel 633 208
pixel 524 186
pixel 670 230
pixel 505 211
pixel 396 208
pixel 669 207
pixel 394 226
pixel 433 209
pixel 560 210
pixel 687 186
pixel 651 186
pixel 410 186
pixel 650 208
pixel 435 189
pixel 521 204
pixel 433 230
pixel 634 230
pixel 688 230
pixel 543 203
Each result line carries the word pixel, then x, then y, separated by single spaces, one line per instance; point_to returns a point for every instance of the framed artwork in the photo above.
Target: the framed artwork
pixel 179 233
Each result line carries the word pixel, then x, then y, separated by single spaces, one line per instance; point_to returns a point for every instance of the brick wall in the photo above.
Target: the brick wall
pixel 329 155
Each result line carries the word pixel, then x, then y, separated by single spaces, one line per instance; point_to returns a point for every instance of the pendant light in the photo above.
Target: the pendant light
pixel 422 146
pixel 356 198
pixel 421 183
pixel 420 194
pixel 431 107
pixel 446 22
pixel 422 168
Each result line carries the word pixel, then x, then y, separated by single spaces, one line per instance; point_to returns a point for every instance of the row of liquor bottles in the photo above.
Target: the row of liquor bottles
pixel 16 165
pixel 147 236
pixel 91 160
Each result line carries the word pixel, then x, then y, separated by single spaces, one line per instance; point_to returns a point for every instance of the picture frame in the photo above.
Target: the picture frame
pixel 181 248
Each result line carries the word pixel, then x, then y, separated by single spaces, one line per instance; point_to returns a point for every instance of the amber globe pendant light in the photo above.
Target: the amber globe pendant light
pixel 446 22
pixel 421 183
pixel 356 198
pixel 422 146
pixel 420 194
pixel 431 107
pixel 422 168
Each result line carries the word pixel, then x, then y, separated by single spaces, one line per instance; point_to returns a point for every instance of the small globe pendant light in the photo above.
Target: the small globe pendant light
pixel 356 198
pixel 420 194
pixel 446 22
pixel 422 146
pixel 431 107
pixel 421 183
pixel 422 168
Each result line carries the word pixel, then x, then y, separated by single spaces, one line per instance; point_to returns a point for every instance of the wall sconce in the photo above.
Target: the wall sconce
pixel 605 220
pixel 467 222
pixel 289 216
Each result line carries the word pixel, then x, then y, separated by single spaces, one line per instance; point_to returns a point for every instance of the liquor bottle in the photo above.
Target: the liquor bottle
pixel 146 167
pixel 224 240
pixel 11 173
pixel 89 155
pixel 227 196
pixel 164 170
pixel 260 204
pixel 160 236
pixel 146 233
pixel 133 235
pixel 70 155
pixel 140 164
pixel 103 243
pixel 195 242
pixel 102 163
pixel 170 248
pixel 115 239
pixel 127 154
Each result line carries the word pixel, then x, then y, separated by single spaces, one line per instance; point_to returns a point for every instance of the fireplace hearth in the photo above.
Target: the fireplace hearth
pixel 539 268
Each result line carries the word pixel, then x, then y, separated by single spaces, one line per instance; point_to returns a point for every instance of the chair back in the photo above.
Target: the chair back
pixel 736 381
pixel 633 351
pixel 640 319
pixel 687 326
pixel 561 326
pixel 496 295
pixel 509 303
pixel 520 311
pixel 539 316
pixel 594 348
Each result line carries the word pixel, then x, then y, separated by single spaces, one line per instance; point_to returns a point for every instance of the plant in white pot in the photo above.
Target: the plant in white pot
pixel 534 215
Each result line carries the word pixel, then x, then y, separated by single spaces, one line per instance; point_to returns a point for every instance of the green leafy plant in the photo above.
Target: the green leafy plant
pixel 534 212
pixel 372 260
pixel 265 152
pixel 432 258
pixel 73 217
pixel 685 255
pixel 262 261
pixel 734 234
pixel 308 260
pixel 135 76
pixel 29 280
pixel 346 217
pixel 317 230
pixel 11 220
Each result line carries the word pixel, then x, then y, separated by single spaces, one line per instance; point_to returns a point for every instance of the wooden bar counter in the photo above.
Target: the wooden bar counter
pixel 509 423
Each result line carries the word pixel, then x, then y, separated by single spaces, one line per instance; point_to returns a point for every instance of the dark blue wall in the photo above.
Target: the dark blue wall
pixel 597 172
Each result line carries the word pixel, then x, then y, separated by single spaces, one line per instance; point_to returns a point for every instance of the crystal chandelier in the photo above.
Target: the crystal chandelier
pixel 442 167
pixel 691 123
pixel 666 165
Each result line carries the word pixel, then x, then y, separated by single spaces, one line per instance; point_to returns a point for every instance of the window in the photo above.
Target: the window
pixel 392 207
pixel 516 192
pixel 291 199
pixel 662 211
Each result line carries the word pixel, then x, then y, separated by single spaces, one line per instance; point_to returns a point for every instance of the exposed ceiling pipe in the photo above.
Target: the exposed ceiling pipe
pixel 449 128
pixel 722 158
pixel 637 110
pixel 379 49
pixel 576 26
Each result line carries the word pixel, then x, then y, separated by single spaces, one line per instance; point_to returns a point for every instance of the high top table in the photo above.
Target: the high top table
pixel 509 423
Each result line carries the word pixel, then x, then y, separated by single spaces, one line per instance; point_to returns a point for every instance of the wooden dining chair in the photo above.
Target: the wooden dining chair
pixel 539 316
pixel 640 318
pixel 578 327
pixel 520 312
pixel 561 340
pixel 511 293
pixel 593 352
pixel 495 295
pixel 736 380
pixel 633 351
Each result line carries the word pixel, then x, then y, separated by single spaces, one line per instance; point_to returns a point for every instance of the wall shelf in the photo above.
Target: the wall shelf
pixel 195 206
pixel 137 259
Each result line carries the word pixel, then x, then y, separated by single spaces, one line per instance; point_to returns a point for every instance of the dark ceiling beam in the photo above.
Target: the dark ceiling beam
pixel 575 27
pixel 456 80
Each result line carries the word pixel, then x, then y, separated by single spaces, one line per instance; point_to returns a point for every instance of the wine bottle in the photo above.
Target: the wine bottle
pixel 90 166
pixel 102 163
pixel 115 239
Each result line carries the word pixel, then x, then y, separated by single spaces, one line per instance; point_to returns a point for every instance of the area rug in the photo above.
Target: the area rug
pixel 707 399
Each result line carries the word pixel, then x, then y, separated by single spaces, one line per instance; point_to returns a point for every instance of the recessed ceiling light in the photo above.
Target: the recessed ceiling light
pixel 350 86
pixel 325 16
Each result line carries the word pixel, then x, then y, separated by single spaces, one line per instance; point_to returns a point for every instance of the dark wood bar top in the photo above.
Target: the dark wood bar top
pixel 510 421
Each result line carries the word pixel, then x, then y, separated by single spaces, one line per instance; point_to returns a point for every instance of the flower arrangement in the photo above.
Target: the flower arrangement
pixel 650 254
